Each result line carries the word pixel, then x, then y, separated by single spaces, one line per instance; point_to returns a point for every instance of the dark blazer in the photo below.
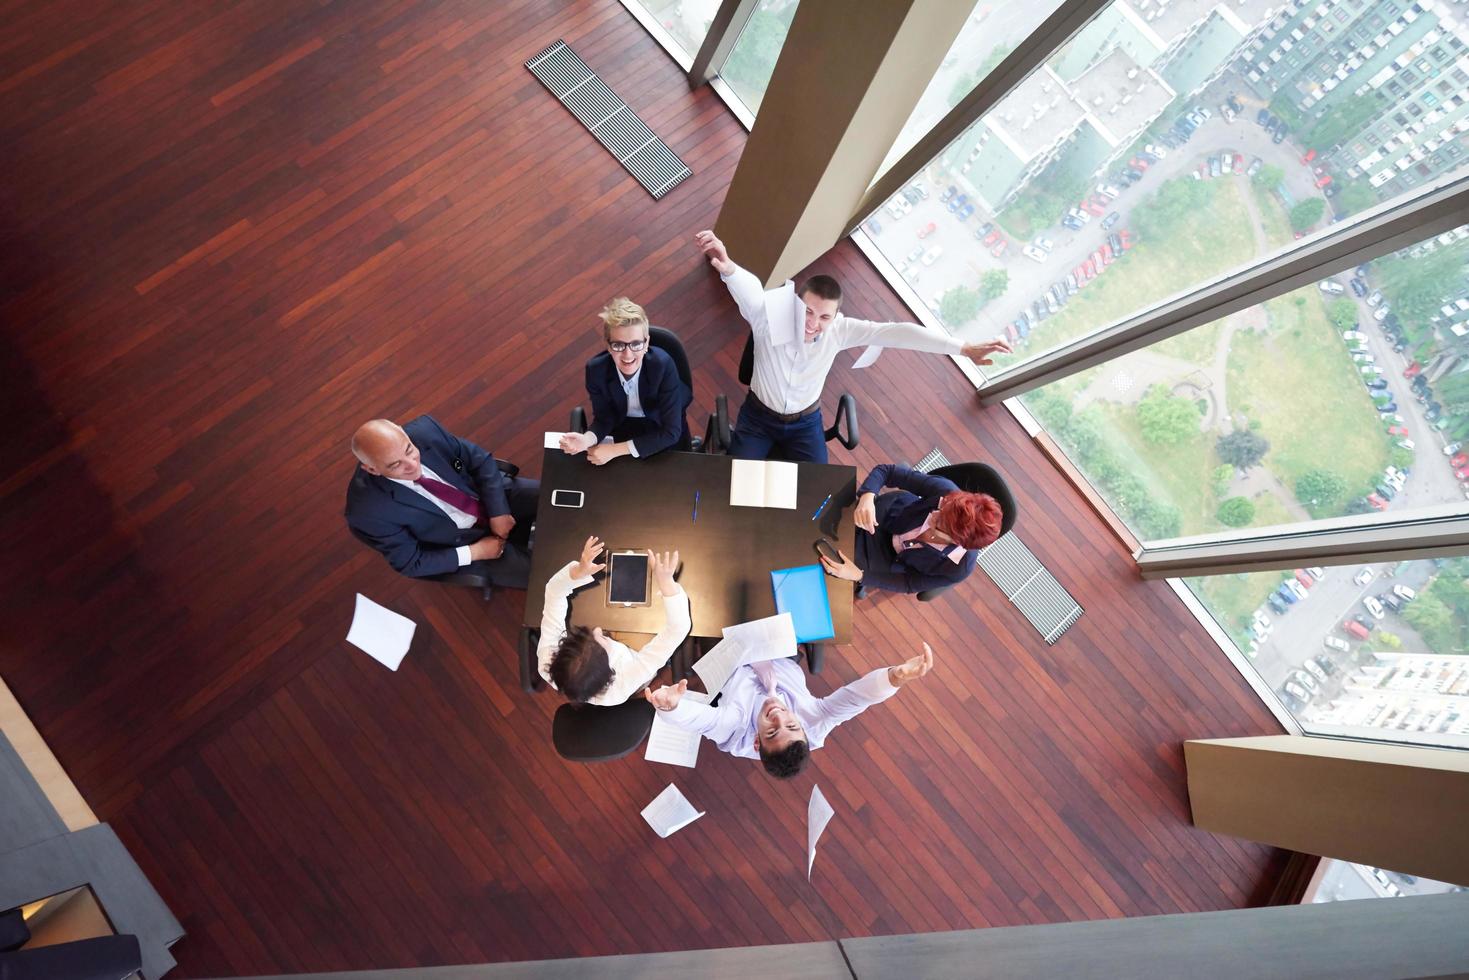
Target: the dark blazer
pixel 662 394
pixel 413 533
pixel 917 496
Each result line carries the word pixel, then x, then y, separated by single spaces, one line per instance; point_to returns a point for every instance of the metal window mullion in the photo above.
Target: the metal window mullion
pixel 1069 17
pixel 1380 231
pixel 724 31
pixel 1409 538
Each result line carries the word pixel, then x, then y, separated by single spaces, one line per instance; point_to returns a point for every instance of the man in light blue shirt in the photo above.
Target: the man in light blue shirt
pixel 765 711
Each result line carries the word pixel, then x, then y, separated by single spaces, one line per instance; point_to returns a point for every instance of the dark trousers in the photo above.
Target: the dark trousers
pixel 512 569
pixel 759 434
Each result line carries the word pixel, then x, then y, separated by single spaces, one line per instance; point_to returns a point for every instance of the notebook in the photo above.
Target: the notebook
pixel 762 483
pixel 802 593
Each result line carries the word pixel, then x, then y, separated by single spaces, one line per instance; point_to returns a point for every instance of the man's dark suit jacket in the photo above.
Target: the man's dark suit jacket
pixel 917 496
pixel 413 533
pixel 663 396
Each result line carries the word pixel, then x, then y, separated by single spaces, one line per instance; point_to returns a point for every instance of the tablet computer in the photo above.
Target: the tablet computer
pixel 627 579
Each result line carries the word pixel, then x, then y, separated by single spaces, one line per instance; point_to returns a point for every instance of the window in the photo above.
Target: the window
pixel 752 59
pixel 686 22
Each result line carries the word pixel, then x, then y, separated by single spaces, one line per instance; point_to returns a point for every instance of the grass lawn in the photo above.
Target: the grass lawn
pixel 1307 395
pixel 1176 474
pixel 1215 239
pixel 1272 216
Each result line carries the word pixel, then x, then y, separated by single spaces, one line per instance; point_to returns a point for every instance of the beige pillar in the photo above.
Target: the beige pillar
pixel 848 77
pixel 1400 807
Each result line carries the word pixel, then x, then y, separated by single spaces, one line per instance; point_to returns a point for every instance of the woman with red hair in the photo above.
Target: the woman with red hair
pixel 925 535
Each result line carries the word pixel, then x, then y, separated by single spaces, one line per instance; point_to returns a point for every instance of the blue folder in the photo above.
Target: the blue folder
pixel 802 593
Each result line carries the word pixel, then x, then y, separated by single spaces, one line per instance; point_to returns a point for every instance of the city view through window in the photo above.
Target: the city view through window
pixel 1161 147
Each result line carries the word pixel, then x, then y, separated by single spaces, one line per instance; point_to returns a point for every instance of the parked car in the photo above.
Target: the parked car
pixel 1031 252
pixel 1404 593
pixel 1376 384
pixel 1287 595
pixel 1306 679
pixel 1356 629
pixel 1380 313
pixel 1000 248
pixel 1359 288
pixel 1326 663
pixel 1277 604
pixel 928 229
pixel 932 255
pixel 957 203
pixel 1254 167
pixel 1391 602
pixel 965 211
pixel 1332 643
pixel 1296 588
pixel 1215 167
pixel 1331 287
pixel 1133 174
pixel 1304 577
pixel 1317 572
pixel 1363 576
pixel 1296 691
pixel 1263 118
pixel 1452 448
pixel 1376 502
pixel 1111 219
pixel 949 194
pixel 1375 298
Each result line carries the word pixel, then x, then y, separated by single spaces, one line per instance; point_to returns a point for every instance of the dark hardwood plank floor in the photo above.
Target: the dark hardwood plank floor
pixel 234 231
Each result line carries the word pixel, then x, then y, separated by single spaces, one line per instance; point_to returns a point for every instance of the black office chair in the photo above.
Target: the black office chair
pixel 717 433
pixel 102 958
pixel 463 576
pixel 976 478
pixel 668 342
pixel 589 733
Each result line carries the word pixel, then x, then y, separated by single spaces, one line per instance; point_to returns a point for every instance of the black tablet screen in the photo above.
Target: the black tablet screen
pixel 629 579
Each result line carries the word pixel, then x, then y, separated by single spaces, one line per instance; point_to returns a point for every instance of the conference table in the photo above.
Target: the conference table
pixel 727 555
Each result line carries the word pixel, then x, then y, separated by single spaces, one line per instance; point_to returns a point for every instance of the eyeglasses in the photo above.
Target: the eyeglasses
pixel 618 346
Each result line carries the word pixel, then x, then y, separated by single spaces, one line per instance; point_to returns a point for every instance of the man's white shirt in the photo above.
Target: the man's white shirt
pixel 790 373
pixel 461 520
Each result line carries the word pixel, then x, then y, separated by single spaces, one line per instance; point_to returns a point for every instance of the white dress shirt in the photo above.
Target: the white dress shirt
pixel 631 671
pixel 789 372
pixel 630 389
pixel 461 520
pixel 732 725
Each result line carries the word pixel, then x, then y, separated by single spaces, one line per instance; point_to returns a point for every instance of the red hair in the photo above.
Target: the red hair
pixel 972 519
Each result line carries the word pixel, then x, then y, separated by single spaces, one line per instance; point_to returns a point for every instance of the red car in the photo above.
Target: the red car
pixel 1462 473
pixel 1239 163
pixel 999 248
pixel 1412 369
pixel 927 230
pixel 1310 155
pixel 1398 430
pixel 1323 181
pixel 1107 255
pixel 1356 629
pixel 1459 460
pixel 1304 578
pixel 1095 208
pixel 1126 237
pixel 1377 503
pixel 992 237
pixel 1138 163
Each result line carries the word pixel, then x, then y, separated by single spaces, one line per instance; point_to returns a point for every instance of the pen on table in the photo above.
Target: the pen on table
pixel 696 506
pixel 822 507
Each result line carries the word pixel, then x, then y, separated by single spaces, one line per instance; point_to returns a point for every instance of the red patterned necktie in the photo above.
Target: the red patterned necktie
pixel 454 497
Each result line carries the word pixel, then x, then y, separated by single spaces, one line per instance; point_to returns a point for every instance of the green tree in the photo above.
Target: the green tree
pixel 1220 481
pixel 1416 285
pixel 753 58
pixel 1355 196
pixel 1242 448
pixel 962 86
pixel 1171 207
pixel 1307 213
pixel 960 305
pixel 993 283
pixel 1236 512
pixel 1320 490
pixel 1167 420
pixel 1268 177
pixel 1343 313
pixel 1433 620
pixel 1384 640
pixel 1344 121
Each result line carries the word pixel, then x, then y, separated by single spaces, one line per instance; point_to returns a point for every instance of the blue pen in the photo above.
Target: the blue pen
pixel 822 507
pixel 696 506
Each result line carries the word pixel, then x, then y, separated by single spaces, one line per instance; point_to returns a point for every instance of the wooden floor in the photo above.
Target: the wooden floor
pixel 234 231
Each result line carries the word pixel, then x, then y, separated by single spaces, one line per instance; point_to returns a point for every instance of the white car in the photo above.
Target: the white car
pixel 1374 607
pixel 1452 448
pixel 1381 313
pixel 1363 576
pixel 1297 589
pixel 1155 150
pixel 1404 593
pixel 1261 619
pixel 1031 252
pixel 1314 669
pixel 1107 191
pixel 1364 358
pixel 1332 643
pixel 1317 572
pixel 932 255
pixel 1330 287
pixel 1375 298
pixel 1355 336
pixel 1226 162
pixel 1296 691
pixel 1407 444
pixel 1043 243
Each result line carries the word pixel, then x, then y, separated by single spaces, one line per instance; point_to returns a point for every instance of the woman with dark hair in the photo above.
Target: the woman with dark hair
pixel 925 535
pixel 586 665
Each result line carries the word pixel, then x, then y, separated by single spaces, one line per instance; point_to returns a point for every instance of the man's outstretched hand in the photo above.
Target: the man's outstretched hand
pixel 714 248
pixel 913 669
pixel 666 698
pixel 980 353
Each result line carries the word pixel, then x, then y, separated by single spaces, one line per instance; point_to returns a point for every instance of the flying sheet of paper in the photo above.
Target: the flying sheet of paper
pixel 818 815
pixel 715 666
pixel 670 812
pixel 553 440
pixel 869 357
pixel 380 633
pixel 784 314
pixel 672 745
pixel 764 639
